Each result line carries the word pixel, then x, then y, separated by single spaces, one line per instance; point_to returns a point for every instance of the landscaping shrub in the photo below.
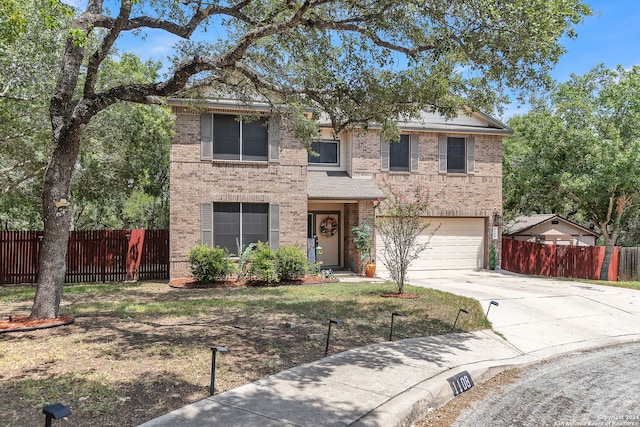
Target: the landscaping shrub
pixel 492 257
pixel 210 264
pixel 244 256
pixel 291 262
pixel 262 265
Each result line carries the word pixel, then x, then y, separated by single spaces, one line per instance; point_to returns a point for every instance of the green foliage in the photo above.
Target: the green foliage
pixel 12 21
pixel 291 262
pixel 28 66
pixel 363 238
pixel 399 222
pixel 210 265
pixel 263 264
pixel 492 257
pixel 121 179
pixel 286 263
pixel 577 152
pixel 244 257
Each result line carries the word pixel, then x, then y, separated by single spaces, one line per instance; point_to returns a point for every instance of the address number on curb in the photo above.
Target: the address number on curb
pixel 460 382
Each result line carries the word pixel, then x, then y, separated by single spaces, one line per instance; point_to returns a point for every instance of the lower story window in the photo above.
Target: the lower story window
pixel 242 223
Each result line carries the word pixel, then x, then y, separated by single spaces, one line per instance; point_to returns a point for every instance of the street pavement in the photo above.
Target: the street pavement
pixel 396 383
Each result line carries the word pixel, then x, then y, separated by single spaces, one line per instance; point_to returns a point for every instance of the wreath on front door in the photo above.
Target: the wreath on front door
pixel 328 227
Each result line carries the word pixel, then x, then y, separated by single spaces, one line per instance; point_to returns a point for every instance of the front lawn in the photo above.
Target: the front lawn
pixel 137 351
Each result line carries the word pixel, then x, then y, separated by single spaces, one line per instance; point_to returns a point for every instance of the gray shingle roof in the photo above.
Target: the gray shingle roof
pixel 340 186
pixel 522 223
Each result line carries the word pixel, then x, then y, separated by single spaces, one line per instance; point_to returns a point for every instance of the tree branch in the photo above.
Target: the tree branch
pixel 101 53
pixel 23 179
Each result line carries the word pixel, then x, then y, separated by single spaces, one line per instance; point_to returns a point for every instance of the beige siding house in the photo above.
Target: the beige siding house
pixel 550 229
pixel 251 180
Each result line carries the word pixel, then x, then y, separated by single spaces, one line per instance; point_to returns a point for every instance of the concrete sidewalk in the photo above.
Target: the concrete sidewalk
pixel 396 383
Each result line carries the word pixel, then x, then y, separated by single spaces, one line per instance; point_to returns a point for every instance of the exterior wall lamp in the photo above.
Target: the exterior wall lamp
pixel 497 219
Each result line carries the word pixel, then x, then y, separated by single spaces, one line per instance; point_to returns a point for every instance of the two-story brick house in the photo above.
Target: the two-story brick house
pixel 238 174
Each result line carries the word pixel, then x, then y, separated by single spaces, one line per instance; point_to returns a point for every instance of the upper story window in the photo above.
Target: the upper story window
pixel 328 153
pixel 229 137
pixel 400 156
pixel 456 155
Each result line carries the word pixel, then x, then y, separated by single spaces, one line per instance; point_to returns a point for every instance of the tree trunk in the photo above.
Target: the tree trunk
pixel 606 262
pixel 56 224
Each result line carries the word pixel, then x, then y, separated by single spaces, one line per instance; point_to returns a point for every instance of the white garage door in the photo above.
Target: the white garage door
pixel 457 245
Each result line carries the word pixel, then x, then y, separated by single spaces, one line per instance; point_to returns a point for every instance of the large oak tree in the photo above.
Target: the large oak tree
pixel 359 61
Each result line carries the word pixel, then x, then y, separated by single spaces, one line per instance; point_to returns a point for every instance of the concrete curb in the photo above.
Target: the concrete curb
pixel 415 403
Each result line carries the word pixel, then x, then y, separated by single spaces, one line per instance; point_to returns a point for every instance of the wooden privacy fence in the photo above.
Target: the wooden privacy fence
pixel 92 256
pixel 582 262
pixel 629 268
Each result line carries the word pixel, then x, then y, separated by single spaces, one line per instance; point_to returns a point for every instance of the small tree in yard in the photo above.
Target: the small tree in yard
pixel 399 221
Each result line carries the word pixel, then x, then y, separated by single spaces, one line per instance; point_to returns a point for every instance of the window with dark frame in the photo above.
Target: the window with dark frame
pixel 237 139
pixel 246 222
pixel 456 155
pixel 328 153
pixel 399 154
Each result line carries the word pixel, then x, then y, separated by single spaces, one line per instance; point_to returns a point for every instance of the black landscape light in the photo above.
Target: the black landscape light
pixel 331 321
pixel 462 310
pixel 489 308
pixel 391 331
pixel 55 412
pixel 214 351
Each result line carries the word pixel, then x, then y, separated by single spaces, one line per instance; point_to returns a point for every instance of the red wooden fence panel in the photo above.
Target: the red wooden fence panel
pixel 582 262
pixel 154 264
pixel 92 256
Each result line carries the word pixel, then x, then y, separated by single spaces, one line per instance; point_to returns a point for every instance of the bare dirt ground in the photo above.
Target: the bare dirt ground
pixel 446 415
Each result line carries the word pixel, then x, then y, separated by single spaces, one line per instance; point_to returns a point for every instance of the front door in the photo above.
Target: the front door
pixel 327 228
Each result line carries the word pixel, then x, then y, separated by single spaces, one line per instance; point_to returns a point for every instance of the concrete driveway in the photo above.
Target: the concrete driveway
pixel 542 316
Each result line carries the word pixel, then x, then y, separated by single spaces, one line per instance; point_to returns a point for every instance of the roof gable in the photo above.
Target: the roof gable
pixel 523 223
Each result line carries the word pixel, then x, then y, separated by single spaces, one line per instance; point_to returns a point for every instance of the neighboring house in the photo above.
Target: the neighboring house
pixel 550 229
pixel 252 180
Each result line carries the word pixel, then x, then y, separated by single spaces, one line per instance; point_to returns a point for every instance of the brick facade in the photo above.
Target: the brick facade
pixel 195 181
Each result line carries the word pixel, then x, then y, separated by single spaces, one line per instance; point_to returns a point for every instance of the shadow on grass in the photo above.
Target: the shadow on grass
pixel 92 398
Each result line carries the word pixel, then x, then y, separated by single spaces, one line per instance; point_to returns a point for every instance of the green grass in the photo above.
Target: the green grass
pixel 621 284
pixel 9 294
pixel 358 305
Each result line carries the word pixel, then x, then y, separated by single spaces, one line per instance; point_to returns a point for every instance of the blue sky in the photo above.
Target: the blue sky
pixel 611 36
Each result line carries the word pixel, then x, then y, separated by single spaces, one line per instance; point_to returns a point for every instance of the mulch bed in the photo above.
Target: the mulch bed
pixel 25 324
pixel 190 283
